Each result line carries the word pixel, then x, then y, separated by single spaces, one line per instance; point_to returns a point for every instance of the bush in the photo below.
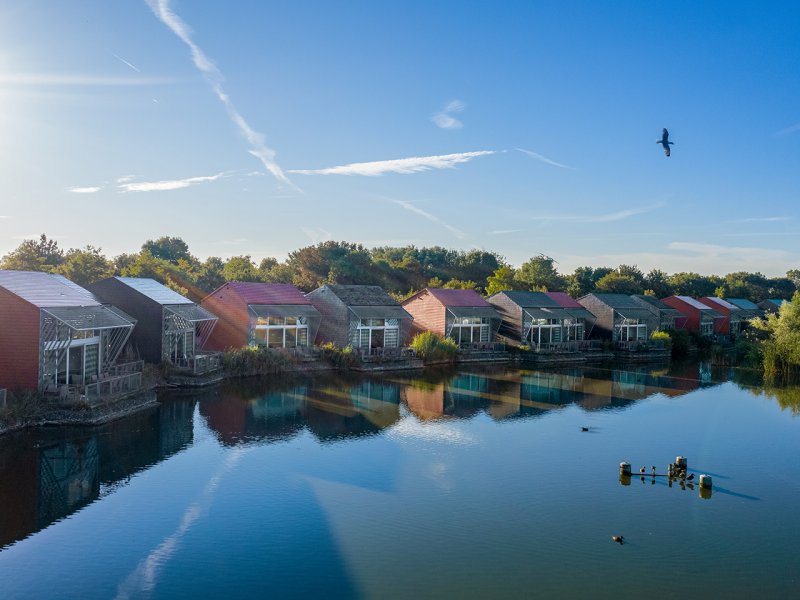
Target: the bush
pixel 245 362
pixel 680 340
pixel 432 347
pixel 662 336
pixel 340 358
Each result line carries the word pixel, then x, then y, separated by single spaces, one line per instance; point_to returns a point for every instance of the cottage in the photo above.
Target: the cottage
pixel 55 336
pixel 362 316
pixel 535 318
pixel 749 310
pixel 731 323
pixel 580 322
pixel 664 316
pixel 275 315
pixel 619 317
pixel 700 318
pixel 170 328
pixel 462 315
pixel 771 305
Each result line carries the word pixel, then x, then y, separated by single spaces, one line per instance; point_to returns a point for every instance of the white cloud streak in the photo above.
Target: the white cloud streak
pixel 44 79
pixel 317 234
pixel 792 129
pixel 213 76
pixel 125 62
pixel 404 166
pixel 544 159
pixel 168 185
pixel 504 231
pixel 85 190
pixel 444 119
pixel 761 220
pixel 410 207
pixel 606 218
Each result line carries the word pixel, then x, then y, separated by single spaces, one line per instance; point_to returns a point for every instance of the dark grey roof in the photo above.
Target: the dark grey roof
pixel 380 312
pixel 531 299
pixel 484 312
pixel 363 295
pixel 664 309
pixel 46 289
pixel 617 301
pixel 83 318
pixel 284 310
pixel 743 303
pixel 191 312
pixel 154 290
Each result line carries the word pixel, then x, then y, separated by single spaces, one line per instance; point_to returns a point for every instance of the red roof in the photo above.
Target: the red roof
pixel 268 293
pixel 449 297
pixel 564 300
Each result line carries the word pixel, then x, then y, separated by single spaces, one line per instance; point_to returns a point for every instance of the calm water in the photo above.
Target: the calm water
pixel 475 483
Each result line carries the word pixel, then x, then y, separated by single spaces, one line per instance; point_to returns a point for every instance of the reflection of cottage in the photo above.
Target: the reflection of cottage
pixel 538 319
pixel 731 323
pixel 170 328
pixel 276 315
pixel 664 317
pixel 362 316
pixel 462 315
pixel 56 336
pixel 700 318
pixel 620 318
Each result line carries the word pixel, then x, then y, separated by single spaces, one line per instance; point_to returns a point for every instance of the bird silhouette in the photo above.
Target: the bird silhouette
pixel 618 538
pixel 664 141
pixel 690 477
pixel 642 470
pixel 654 470
pixel 584 429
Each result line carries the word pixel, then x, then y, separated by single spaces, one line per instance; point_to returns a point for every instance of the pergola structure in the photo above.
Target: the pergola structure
pixel 185 330
pixel 78 342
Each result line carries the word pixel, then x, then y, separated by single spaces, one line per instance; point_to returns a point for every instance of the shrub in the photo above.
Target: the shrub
pixel 680 341
pixel 340 358
pixel 244 362
pixel 432 347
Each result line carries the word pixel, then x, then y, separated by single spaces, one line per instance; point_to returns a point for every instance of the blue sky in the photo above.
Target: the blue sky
pixel 519 127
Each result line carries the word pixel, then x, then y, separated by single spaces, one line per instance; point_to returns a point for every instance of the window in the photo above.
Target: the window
pixel 378 333
pixel 280 332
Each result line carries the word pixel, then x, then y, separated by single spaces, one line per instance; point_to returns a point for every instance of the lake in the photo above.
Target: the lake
pixel 469 483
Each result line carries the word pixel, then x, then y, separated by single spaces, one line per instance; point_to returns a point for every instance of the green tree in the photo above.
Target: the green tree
pixel 146 265
pixel 210 274
pixel 503 279
pixel 657 281
pixel 85 266
pixel 460 284
pixel 693 284
pixel 170 249
pixel 540 273
pixel 34 255
pixel 781 349
pixel 583 280
pixel 617 283
pixel 240 268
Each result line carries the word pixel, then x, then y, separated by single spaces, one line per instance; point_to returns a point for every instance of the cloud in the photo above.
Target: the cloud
pixel 126 178
pixel 792 129
pixel 410 207
pixel 213 76
pixel 163 186
pixel 403 166
pixel 504 231
pixel 316 234
pixel 85 190
pixel 44 79
pixel 431 431
pixel 606 218
pixel 122 60
pixel 761 220
pixel 544 159
pixel 444 118
pixel 4 217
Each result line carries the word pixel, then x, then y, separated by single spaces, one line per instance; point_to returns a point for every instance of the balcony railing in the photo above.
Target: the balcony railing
pixel 135 366
pixel 641 345
pixel 482 347
pixel 567 347
pixel 111 388
pixel 375 354
pixel 200 364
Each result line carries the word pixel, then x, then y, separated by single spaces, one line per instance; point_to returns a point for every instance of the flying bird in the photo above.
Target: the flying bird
pixel 664 141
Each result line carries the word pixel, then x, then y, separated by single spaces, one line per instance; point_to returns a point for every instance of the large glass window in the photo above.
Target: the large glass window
pixel 281 332
pixel 378 333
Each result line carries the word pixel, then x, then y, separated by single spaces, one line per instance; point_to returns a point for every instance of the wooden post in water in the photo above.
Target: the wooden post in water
pixel 681 463
pixel 625 469
pixel 705 482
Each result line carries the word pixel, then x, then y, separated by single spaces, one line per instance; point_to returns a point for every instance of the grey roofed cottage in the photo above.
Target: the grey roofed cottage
pixel 664 316
pixel 538 319
pixel 362 316
pixel 462 315
pixel 55 334
pixel 750 310
pixel 620 317
pixel 170 328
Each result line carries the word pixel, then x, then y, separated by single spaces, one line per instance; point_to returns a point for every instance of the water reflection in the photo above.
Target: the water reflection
pixel 49 474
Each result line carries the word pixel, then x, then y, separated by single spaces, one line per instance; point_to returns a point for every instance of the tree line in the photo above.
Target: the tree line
pixel 401 271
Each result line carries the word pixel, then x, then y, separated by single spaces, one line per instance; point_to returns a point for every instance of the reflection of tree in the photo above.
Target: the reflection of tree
pixel 788 397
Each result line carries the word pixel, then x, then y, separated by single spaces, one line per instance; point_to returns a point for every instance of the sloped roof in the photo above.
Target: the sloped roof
pixel 531 299
pixel 694 303
pixel 565 299
pixel 267 293
pixel 617 300
pixel 362 295
pixel 742 303
pixel 467 298
pixel 722 303
pixel 46 289
pixel 665 309
pixel 154 290
pixel 776 301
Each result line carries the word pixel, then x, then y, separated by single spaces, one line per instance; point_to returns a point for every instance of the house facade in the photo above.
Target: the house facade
pixel 275 315
pixel 579 322
pixel 362 316
pixel 771 305
pixel 700 318
pixel 170 328
pixel 536 319
pixel 619 317
pixel 462 315
pixel 664 316
pixel 731 323
pixel 55 336
pixel 749 310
